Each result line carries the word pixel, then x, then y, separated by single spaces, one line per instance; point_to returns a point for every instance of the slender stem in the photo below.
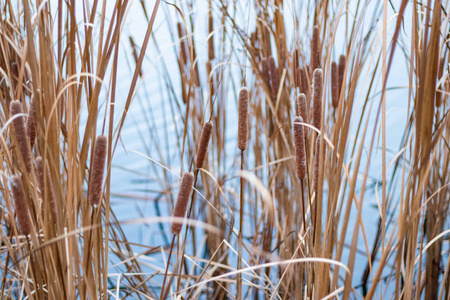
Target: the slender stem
pixel 241 221
pixel 303 207
pixel 167 268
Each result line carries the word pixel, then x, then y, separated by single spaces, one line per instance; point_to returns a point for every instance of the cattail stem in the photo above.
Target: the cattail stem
pixel 241 222
pixel 21 133
pixel 163 294
pixel 46 193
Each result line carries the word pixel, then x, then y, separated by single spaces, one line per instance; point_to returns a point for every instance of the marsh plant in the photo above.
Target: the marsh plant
pixel 302 151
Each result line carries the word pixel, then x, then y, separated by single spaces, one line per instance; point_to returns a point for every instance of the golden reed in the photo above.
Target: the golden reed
pixel 42 179
pixel 182 201
pixel 97 170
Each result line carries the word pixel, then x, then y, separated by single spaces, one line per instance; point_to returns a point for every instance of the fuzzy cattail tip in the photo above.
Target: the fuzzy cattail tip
pixel 98 167
pixel 203 145
pixel 182 201
pixel 243 119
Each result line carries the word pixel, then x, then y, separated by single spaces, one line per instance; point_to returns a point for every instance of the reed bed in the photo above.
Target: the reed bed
pixel 286 150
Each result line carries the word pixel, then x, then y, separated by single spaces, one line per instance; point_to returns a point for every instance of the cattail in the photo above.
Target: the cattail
pixel 295 66
pixel 299 144
pixel 315 48
pixel 334 85
pixel 265 71
pixel 21 133
pixel 210 32
pixel 298 80
pixel 97 169
pixel 203 145
pixel 341 72
pixel 317 159
pixel 301 107
pixel 274 78
pixel 182 201
pixel 20 203
pixel 243 119
pixel 31 123
pixel 317 97
pixel 46 178
pixel 183 54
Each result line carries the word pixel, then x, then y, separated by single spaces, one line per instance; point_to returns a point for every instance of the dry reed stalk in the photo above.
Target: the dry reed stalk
pixel 439 95
pixel 31 122
pixel 243 119
pixel 274 78
pixel 315 49
pixel 183 51
pixel 42 179
pixel 300 151
pixel 21 133
pixel 203 145
pixel 210 79
pixel 182 201
pixel 97 170
pixel 317 159
pixel 134 53
pixel 317 97
pixel 341 66
pixel 334 85
pixel 20 203
pixel 211 54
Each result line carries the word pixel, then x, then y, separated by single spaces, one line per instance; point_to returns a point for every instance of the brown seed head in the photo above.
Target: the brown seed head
pixel 98 167
pixel 299 144
pixel 334 85
pixel 182 201
pixel 20 203
pixel 274 78
pixel 31 123
pixel 243 119
pixel 341 72
pixel 21 133
pixel 203 145
pixel 265 71
pixel 315 48
pixel 317 97
pixel 301 107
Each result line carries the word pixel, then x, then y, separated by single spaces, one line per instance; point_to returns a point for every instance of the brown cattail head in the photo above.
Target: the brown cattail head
pixel 317 97
pixel 274 78
pixel 301 107
pixel 21 133
pixel 315 48
pixel 299 144
pixel 97 169
pixel 317 159
pixel 182 201
pixel 243 119
pixel 334 85
pixel 50 196
pixel 265 71
pixel 31 122
pixel 203 145
pixel 341 72
pixel 20 203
